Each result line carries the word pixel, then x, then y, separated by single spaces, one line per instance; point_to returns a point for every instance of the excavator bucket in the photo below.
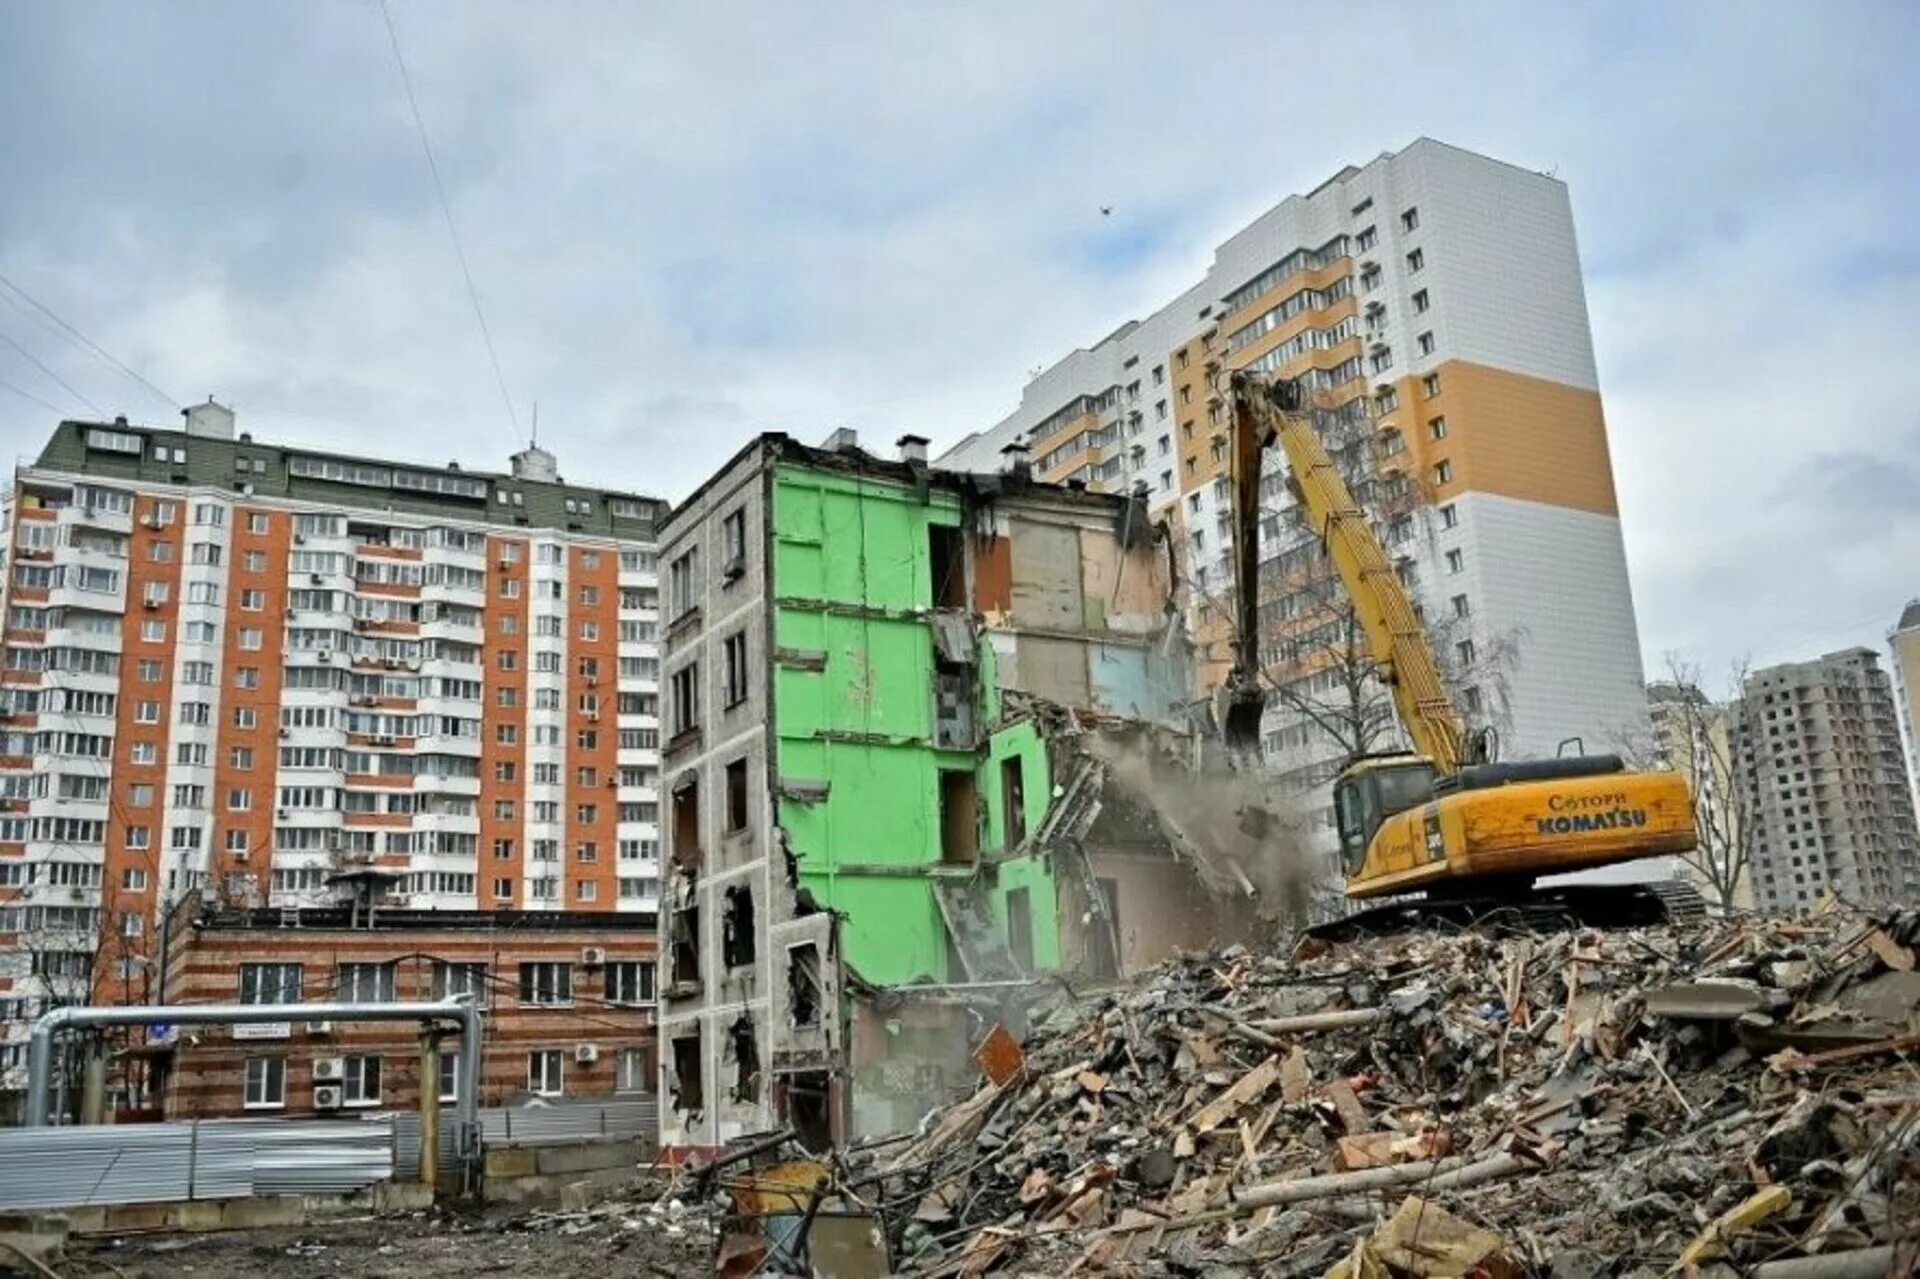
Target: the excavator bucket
pixel 1245 705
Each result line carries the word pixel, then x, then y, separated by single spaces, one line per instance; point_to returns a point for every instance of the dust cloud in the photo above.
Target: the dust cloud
pixel 1227 822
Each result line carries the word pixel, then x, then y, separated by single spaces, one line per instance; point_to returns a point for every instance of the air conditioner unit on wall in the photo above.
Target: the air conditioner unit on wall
pixel 329 1069
pixel 320 1028
pixel 586 1054
pixel 327 1097
pixel 593 956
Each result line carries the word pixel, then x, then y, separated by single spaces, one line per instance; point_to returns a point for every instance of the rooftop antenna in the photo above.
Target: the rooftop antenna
pixel 536 423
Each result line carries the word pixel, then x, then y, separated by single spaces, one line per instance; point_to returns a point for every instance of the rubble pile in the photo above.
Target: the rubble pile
pixel 1741 1093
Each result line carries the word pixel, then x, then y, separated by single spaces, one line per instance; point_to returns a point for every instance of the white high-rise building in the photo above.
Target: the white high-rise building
pixel 1432 301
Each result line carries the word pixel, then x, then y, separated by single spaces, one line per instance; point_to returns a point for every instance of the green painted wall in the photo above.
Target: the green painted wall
pixel 1022 741
pixel 851 581
pixel 851 568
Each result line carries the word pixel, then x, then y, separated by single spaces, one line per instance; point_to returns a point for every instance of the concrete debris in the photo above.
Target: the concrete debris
pixel 1684 1099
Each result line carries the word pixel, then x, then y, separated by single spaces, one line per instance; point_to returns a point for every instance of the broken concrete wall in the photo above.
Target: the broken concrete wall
pixel 724 884
pixel 1156 905
pixel 908 1057
pixel 1077 607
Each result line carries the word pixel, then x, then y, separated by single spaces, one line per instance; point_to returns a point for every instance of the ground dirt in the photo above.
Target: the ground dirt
pixel 628 1241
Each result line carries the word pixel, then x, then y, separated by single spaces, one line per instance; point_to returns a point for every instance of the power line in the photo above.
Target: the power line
pixel 29 395
pixel 446 210
pixel 86 341
pixel 34 360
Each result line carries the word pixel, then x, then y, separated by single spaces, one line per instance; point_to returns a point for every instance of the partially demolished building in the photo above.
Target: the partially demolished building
pixel 913 721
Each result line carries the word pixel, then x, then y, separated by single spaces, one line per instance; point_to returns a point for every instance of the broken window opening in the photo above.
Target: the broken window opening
pixel 736 927
pixel 1020 927
pixel 687 851
pixel 1013 801
pixel 737 795
pixel 1105 925
pixel 685 940
pixel 746 1060
pixel 687 1090
pixel 959 818
pixel 807 1108
pixel 803 984
pixel 948 565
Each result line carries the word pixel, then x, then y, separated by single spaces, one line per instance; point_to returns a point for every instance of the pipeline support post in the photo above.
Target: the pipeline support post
pixel 430 1108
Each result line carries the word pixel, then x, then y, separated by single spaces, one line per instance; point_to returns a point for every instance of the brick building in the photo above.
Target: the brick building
pixel 243 667
pixel 569 999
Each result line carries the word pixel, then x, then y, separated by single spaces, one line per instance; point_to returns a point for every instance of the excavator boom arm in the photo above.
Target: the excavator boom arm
pixel 1264 414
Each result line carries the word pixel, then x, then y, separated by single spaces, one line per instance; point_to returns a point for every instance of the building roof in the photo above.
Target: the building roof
pixel 213 462
pixel 850 458
pixel 1909 617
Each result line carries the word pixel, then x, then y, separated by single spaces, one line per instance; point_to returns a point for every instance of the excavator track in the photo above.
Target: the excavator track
pixel 1537 910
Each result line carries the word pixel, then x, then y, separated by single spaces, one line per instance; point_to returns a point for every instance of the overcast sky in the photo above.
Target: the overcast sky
pixel 689 223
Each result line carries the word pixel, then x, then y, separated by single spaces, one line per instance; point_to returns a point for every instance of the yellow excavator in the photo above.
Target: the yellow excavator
pixel 1445 821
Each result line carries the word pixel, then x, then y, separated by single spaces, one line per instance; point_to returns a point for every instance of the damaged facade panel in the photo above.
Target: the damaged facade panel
pixel 926 656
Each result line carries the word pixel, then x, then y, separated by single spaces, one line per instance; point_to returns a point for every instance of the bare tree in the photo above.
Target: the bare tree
pixel 1695 735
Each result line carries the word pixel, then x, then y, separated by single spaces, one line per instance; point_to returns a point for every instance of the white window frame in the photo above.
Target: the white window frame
pixel 267 1091
pixel 547 1072
pixel 630 1072
pixel 353 1084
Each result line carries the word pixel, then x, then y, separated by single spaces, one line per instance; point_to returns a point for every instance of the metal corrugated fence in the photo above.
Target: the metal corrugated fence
pixel 237 1158
pixel 203 1159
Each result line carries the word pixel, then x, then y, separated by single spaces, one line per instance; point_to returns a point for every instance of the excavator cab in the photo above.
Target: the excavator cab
pixel 1371 790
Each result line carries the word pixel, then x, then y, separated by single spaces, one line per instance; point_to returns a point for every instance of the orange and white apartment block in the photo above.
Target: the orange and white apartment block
pixel 236 668
pixel 1432 300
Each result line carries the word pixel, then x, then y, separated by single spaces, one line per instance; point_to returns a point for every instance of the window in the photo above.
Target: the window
pixel 450 980
pixel 683 588
pixel 589 595
pixel 1425 342
pixel 1416 260
pixel 1462 607
pixel 239 799
pixel 270 983
pixel 686 698
pixel 146 712
pixel 245 717
pixel 630 982
pixel 545 1072
pixel 449 1087
pixel 1437 428
pixel 365 983
pixel 140 795
pixel 1456 561
pixel 1421 302
pixel 1464 651
pixel 154 594
pixel 733 544
pixel 266 1087
pixel 633 1074
pixel 1410 220
pixel 133 880
pixel 546 983
pixel 1449 516
pixel 734 681
pixel 1430 385
pixel 1366 239
pixel 1443 471
pixel 737 795
pixel 362 1081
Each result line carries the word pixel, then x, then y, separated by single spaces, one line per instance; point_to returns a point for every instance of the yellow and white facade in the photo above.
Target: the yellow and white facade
pixel 1433 300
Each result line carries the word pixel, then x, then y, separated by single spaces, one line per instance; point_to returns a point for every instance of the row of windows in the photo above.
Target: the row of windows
pixel 265 1078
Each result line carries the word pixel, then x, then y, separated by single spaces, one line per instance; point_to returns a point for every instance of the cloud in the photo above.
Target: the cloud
pixel 691 223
